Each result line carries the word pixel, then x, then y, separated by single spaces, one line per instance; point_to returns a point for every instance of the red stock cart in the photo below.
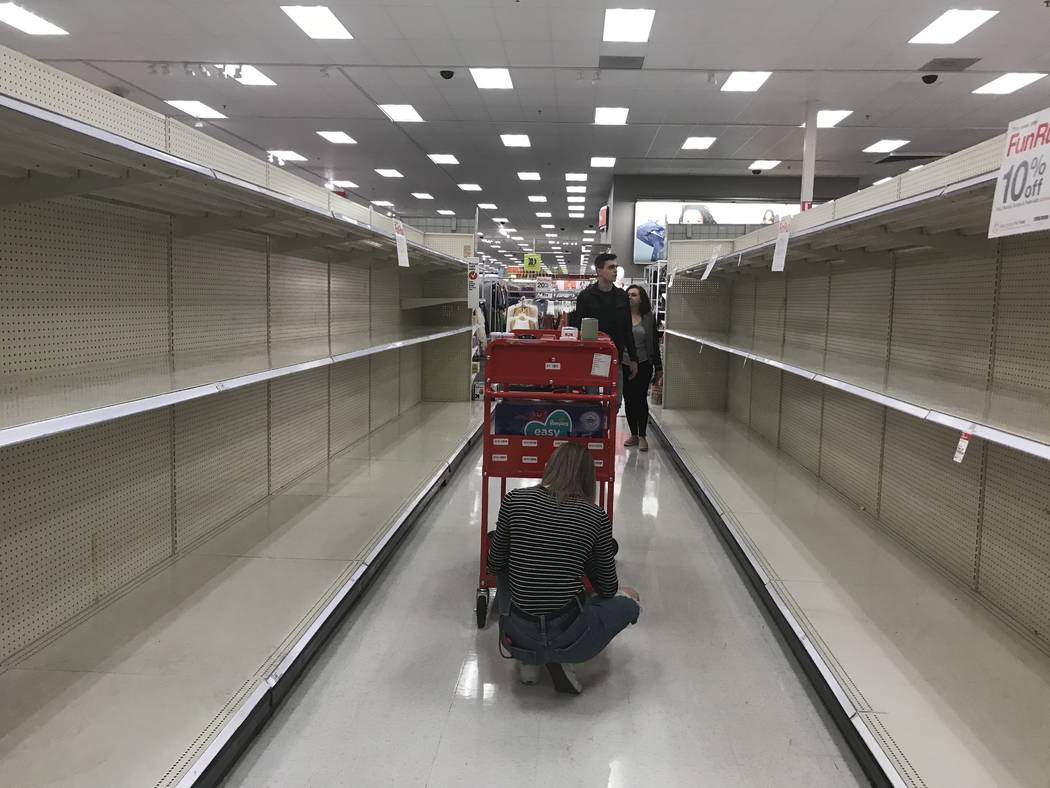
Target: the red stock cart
pixel 543 389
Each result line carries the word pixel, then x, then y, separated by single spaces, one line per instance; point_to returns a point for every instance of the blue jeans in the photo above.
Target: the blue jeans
pixel 573 637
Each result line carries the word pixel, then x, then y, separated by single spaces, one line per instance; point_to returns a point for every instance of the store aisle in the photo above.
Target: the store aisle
pixel 699 693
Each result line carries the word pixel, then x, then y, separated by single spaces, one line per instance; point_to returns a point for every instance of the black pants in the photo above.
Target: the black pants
pixel 636 398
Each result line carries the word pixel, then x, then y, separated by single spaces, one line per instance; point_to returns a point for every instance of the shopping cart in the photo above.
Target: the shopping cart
pixel 542 391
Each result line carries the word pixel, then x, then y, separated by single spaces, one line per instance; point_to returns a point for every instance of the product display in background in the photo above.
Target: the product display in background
pixel 651 219
pixel 548 419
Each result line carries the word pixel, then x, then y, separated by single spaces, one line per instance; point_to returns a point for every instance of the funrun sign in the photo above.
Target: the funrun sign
pixel 1022 200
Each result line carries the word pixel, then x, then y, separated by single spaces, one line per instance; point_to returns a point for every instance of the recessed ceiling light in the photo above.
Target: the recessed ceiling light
pixel 628 25
pixel 537 198
pixel 508 229
pixel 529 176
pixel 610 116
pixel 745 81
pixel 951 26
pixel 382 203
pixel 576 198
pixel 401 113
pixel 882 181
pixel 245 74
pixel 698 143
pixel 487 206
pixel 446 212
pixel 603 161
pixel 589 232
pixel 501 220
pixel 317 21
pixel 1008 83
pixel 886 146
pixel 764 164
pixel 575 176
pixel 386 173
pixel 443 158
pixel 575 215
pixel 338 137
pixel 547 226
pixel 551 235
pixel 422 196
pixel 470 187
pixel 543 215
pixel 492 78
pixel 829 118
pixel 28 22
pixel 341 185
pixel 286 155
pixel 197 109
pixel 576 189
pixel 516 140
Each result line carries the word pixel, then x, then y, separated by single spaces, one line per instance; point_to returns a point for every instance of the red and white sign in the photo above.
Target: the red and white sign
pixel 473 285
pixel 781 249
pixel 402 243
pixel 1022 198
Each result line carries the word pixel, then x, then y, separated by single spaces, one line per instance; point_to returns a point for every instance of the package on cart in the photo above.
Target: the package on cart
pixel 549 419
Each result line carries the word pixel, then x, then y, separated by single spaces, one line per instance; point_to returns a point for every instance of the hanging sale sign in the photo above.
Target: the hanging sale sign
pixel 544 287
pixel 533 263
pixel 1022 198
pixel 781 249
pixel 473 284
pixel 711 263
pixel 402 243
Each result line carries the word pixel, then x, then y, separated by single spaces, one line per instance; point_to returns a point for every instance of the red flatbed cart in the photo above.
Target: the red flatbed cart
pixel 542 387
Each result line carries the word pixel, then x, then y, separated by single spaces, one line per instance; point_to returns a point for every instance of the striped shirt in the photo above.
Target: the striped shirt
pixel 547 547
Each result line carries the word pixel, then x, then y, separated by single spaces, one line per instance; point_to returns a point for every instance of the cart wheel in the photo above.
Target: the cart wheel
pixel 482 608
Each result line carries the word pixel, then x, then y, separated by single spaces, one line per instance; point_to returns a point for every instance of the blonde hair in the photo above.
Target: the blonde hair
pixel 570 473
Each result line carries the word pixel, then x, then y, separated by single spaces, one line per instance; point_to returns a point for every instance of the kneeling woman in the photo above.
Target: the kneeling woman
pixel 546 539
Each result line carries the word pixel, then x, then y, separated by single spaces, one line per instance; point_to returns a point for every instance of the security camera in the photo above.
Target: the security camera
pixel 447 73
pixel 756 172
pixel 929 79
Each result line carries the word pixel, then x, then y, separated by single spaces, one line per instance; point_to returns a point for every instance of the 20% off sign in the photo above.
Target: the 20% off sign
pixel 1022 195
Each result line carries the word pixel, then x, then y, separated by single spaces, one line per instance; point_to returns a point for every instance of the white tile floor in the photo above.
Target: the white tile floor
pixel 701 692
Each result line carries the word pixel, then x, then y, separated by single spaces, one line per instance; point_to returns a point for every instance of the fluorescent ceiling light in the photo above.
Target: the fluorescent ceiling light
pixel 589 232
pixel 338 137
pixel 745 81
pixel 576 198
pixel 443 158
pixel 547 226
pixel 576 189
pixel 882 181
pixel 543 215
pixel 829 118
pixel 529 176
pixel 317 21
pixel 1008 83
pixel 341 185
pixel 501 220
pixel 610 116
pixel 537 198
pixel 286 155
pixel 951 26
pixel 551 235
pixel 487 206
pixel 492 78
pixel 401 113
pixel 249 75
pixel 575 176
pixel 422 196
pixel 575 215
pixel 197 109
pixel 886 146
pixel 603 161
pixel 698 143
pixel 446 212
pixel 470 187
pixel 628 25
pixel 28 22
pixel 382 203
pixel 389 173
pixel 764 164
pixel 516 140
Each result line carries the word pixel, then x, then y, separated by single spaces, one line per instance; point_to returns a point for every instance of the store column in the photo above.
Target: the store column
pixel 809 156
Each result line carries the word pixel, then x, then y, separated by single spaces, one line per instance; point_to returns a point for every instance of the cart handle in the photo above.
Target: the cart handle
pixel 551 395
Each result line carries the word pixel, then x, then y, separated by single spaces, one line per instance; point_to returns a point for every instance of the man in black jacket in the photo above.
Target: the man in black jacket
pixel 609 304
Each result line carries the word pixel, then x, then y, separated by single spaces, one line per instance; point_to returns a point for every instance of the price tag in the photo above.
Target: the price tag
pixel 964 444
pixel 402 243
pixel 1022 196
pixel 711 263
pixel 601 363
pixel 781 249
pixel 473 284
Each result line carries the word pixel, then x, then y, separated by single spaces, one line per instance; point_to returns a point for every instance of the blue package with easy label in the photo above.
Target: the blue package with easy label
pixel 549 419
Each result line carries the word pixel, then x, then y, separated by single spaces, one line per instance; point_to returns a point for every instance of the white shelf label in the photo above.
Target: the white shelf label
pixel 500 442
pixel 711 263
pixel 964 444
pixel 595 445
pixel 552 365
pixel 529 444
pixel 402 243
pixel 530 460
pixel 781 249
pixel 499 457
pixel 1022 197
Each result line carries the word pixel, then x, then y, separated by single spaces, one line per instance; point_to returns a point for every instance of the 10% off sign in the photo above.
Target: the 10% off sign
pixel 1022 196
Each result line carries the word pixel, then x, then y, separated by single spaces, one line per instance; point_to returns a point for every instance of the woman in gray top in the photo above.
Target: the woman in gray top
pixel 636 389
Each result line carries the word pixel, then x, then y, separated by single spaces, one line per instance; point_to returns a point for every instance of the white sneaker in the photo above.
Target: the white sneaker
pixel 565 679
pixel 529 675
